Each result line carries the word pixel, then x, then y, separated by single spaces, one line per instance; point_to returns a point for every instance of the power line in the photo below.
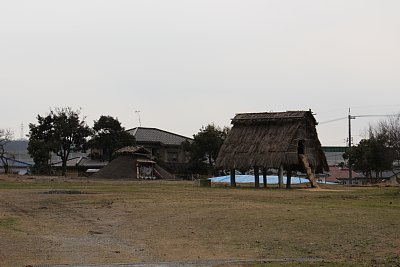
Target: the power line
pixel 349 118
pixel 363 116
pixel 339 119
pixel 356 116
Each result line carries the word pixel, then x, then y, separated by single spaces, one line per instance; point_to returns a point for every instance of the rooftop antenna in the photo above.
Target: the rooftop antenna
pixel 22 131
pixel 138 113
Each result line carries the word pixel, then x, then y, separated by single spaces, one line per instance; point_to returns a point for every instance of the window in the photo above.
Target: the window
pixel 172 156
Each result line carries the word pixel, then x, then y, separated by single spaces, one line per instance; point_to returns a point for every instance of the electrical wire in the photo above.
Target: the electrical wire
pixel 339 119
pixel 356 116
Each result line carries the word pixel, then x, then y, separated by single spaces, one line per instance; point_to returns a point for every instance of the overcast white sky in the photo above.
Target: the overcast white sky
pixel 185 63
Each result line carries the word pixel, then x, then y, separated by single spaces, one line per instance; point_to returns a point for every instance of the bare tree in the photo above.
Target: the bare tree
pixel 389 129
pixel 6 136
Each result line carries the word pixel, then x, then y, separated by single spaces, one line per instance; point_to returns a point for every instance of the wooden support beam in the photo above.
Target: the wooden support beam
pixel 280 177
pixel 256 177
pixel 289 179
pixel 265 177
pixel 233 178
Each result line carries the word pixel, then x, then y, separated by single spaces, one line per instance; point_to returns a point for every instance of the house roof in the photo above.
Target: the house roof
pixel 337 173
pixel 382 175
pixel 154 135
pixel 271 139
pixel 92 163
pixel 72 162
pixel 82 162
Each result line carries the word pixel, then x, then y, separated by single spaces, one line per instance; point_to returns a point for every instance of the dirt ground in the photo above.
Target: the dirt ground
pixel 52 220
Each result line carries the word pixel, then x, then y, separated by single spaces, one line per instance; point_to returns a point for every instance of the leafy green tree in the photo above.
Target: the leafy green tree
pixel 41 155
pixel 205 147
pixel 108 136
pixel 62 131
pixel 6 136
pixel 371 155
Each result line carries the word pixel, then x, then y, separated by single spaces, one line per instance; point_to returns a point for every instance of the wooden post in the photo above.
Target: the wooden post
pixel 256 177
pixel 280 177
pixel 233 178
pixel 265 177
pixel 289 178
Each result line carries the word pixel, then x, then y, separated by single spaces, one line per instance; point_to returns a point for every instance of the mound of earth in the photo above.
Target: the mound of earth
pixel 123 167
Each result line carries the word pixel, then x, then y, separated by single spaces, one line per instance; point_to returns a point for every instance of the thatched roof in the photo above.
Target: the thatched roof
pixel 270 139
pixel 125 167
pixel 132 150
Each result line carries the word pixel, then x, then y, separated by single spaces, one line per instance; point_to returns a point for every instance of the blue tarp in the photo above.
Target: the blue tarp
pixel 273 179
pixel 15 163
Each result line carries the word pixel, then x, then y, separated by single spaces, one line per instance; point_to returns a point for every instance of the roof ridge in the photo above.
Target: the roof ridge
pixel 157 129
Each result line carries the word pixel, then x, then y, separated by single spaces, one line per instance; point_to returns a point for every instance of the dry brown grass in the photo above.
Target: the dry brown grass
pixel 135 221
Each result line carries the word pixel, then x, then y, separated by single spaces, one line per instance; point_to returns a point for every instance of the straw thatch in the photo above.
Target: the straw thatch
pixel 133 150
pixel 270 140
pixel 124 166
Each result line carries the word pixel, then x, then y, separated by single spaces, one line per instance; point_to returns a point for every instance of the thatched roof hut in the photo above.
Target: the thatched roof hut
pixel 272 140
pixel 133 162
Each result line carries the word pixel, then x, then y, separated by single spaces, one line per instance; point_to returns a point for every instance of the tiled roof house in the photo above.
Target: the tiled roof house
pixel 163 145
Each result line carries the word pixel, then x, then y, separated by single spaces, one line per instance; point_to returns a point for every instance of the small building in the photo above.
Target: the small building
pixel 144 166
pixel 165 147
pixel 280 140
pixel 386 177
pixel 79 166
pixel 334 154
pixel 133 162
pixel 338 174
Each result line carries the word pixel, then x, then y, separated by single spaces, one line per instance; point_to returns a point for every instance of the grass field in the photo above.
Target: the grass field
pixel 78 221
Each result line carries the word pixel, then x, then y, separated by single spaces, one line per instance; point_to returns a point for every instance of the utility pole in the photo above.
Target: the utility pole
pixel 350 168
pixel 349 117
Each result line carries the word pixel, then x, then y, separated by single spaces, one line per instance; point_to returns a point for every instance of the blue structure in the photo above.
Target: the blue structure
pixel 16 166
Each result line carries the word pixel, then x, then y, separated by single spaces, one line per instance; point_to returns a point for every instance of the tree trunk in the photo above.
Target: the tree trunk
pixel 289 179
pixel 5 164
pixel 6 169
pixel 64 167
pixel 256 177
pixel 280 177
pixel 233 178
pixel 265 177
pixel 210 165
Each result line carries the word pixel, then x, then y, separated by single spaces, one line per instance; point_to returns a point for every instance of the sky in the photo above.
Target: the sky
pixel 185 64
